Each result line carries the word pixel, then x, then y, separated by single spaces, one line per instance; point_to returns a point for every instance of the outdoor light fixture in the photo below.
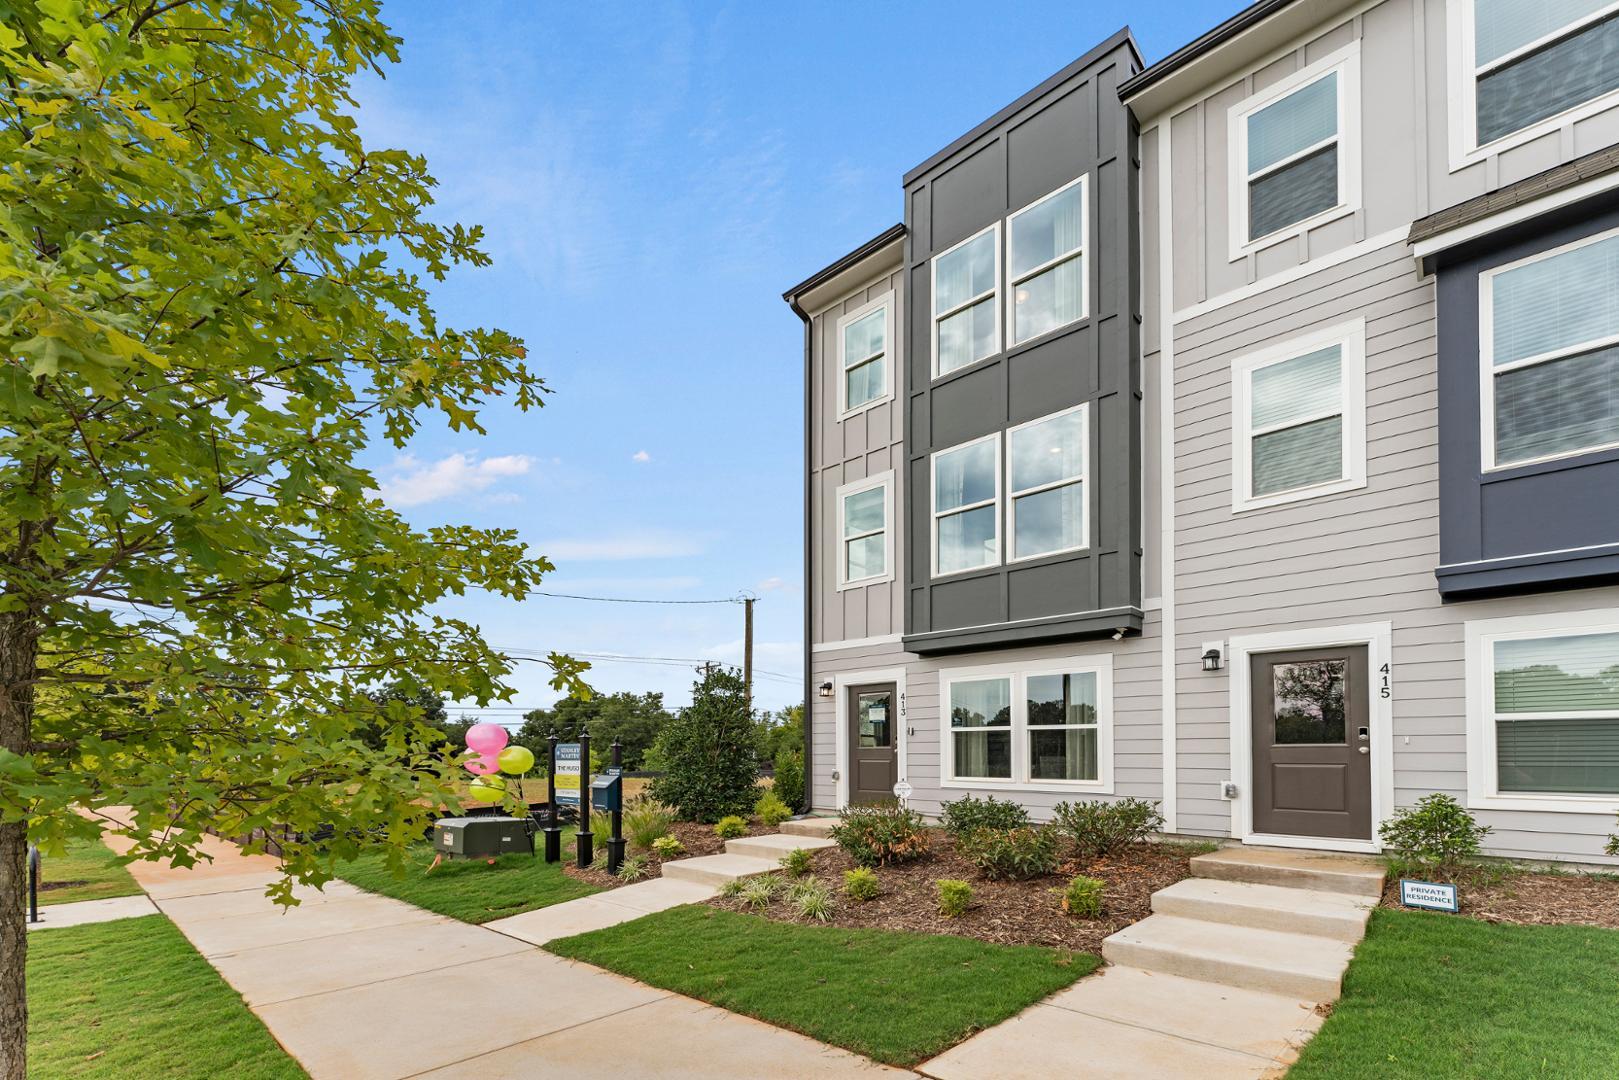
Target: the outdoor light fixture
pixel 826 688
pixel 1211 660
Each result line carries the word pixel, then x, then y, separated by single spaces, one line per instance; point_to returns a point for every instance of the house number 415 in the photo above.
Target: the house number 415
pixel 1383 690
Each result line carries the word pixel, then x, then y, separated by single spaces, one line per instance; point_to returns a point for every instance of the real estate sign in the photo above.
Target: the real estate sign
pixel 567 778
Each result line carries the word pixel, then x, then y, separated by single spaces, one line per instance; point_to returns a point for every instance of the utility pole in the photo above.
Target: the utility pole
pixel 747 649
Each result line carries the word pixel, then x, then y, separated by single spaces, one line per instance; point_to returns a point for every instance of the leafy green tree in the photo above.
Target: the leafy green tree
pixel 633 719
pixel 398 703
pixel 709 751
pixel 781 731
pixel 210 292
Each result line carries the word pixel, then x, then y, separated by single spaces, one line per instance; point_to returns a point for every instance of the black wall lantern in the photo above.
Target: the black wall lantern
pixel 826 689
pixel 1211 660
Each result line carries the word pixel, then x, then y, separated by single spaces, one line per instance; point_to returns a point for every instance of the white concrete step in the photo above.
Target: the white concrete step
pixel 1300 965
pixel 718 869
pixel 1267 907
pixel 776 845
pixel 1318 871
pixel 810 826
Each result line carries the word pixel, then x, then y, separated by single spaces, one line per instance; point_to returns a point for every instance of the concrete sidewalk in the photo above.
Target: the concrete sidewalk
pixel 363 987
pixel 85 912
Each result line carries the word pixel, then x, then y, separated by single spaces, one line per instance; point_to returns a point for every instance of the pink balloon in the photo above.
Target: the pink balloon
pixel 483 765
pixel 487 738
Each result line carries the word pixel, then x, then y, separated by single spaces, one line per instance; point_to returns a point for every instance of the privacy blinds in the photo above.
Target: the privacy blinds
pixel 1556 714
pixel 1293 157
pixel 1537 58
pixel 865 347
pixel 1296 423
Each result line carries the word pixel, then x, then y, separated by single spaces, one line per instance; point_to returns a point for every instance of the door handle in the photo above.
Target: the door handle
pixel 1366 749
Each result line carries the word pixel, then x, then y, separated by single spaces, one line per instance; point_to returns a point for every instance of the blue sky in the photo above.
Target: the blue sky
pixel 650 178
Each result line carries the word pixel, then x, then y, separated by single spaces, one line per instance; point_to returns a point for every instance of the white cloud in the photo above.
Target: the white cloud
pixel 414 482
pixel 619 547
pixel 773 584
pixel 641 456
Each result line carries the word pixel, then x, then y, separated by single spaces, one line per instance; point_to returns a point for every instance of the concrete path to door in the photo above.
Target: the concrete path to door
pixel 363 987
pixel 84 912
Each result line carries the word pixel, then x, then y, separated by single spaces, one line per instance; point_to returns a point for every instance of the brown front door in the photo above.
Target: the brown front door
pixel 1312 743
pixel 873 763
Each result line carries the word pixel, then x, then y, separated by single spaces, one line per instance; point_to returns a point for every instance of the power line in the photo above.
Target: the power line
pixel 739 599
pixel 514 653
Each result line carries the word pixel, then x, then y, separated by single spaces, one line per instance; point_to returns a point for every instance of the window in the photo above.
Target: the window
pixel 1042 726
pixel 1549 354
pixel 1046 262
pixel 1530 61
pixel 966 506
pixel 863 337
pixel 865 545
pixel 966 316
pixel 1544 711
pixel 1299 419
pixel 1294 153
pixel 1046 484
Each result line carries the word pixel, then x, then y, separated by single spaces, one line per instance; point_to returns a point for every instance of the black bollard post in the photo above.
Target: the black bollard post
pixel 553 828
pixel 33 883
pixel 582 840
pixel 615 845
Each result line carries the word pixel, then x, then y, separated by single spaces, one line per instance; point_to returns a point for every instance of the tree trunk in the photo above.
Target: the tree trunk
pixel 19 645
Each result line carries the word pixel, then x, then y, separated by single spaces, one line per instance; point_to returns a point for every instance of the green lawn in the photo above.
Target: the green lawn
pixel 1437 995
pixel 92 867
pixel 895 997
pixel 132 998
pixel 470 889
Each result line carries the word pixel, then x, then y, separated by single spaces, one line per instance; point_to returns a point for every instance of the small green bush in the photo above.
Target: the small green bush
pixel 789 782
pixel 598 858
pixel 1436 834
pixel 967 815
pixel 955 897
pixel 667 847
pixel 1012 854
pixel 880 835
pixel 1613 845
pixel 1083 897
pixel 730 827
pixel 601 826
pixel 709 751
pixel 1101 828
pixel 771 811
pixel 798 861
pixel 860 884
pixel 760 891
pixel 735 887
pixel 811 899
pixel 645 822
pixel 633 868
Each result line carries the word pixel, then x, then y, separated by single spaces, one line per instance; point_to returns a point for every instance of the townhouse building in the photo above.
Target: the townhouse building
pixel 1240 432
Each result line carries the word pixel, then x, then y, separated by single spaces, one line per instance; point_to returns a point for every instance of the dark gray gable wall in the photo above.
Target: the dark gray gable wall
pixel 1072 125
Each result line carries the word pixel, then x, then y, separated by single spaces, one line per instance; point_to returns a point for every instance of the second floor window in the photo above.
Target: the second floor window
pixel 863 345
pixel 863 512
pixel 1549 345
pixel 1046 262
pixel 966 316
pixel 1535 60
pixel 1046 484
pixel 966 506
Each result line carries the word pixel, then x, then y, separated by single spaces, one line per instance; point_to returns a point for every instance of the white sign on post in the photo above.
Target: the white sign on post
pixel 902 791
pixel 1429 895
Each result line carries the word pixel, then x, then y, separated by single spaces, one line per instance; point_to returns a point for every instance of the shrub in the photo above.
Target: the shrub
pixel 789 783
pixel 1083 897
pixel 1436 834
pixel 811 899
pixel 860 884
pixel 646 821
pixel 708 751
pixel 601 826
pixel 668 847
pixel 967 815
pixel 1012 854
pixel 633 868
pixel 771 811
pixel 735 887
pixel 797 862
pixel 1613 845
pixel 955 897
pixel 731 827
pixel 759 891
pixel 1102 828
pixel 880 835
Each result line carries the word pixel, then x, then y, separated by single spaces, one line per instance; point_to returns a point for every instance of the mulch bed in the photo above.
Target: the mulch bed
pixel 699 840
pixel 1510 895
pixel 1003 912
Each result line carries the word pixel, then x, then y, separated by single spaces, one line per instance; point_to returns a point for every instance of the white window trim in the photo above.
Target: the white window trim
pixel 884 480
pixel 1018 673
pixel 1083 479
pixel 933 506
pixel 993 294
pixel 1082 253
pixel 1463 71
pixel 1486 353
pixel 1350 337
pixel 1377 637
pixel 841 682
pixel 1346 62
pixel 1480 635
pixel 885 301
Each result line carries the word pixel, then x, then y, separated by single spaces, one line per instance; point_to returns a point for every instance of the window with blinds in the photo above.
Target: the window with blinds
pixel 1535 59
pixel 967 506
pixel 863 347
pixel 863 513
pixel 1549 346
pixel 1554 707
pixel 1039 726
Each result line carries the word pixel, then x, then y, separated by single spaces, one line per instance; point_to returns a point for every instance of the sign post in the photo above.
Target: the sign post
pixel 583 850
pixel 553 826
pixel 615 843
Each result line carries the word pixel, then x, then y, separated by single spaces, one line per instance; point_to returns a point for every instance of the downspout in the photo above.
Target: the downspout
pixel 809 562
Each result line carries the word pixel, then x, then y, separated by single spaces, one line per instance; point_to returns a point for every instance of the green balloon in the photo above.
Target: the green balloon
pixel 487 789
pixel 516 760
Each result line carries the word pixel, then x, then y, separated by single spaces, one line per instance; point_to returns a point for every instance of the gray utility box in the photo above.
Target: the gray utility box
pixel 481 837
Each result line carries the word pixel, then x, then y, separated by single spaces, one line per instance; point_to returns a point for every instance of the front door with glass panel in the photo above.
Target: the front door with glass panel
pixel 1312 744
pixel 873 737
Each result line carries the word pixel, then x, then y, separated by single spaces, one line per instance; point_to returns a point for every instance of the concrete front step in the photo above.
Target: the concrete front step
pixel 1299 965
pixel 774 846
pixel 810 826
pixel 1312 870
pixel 1339 916
pixel 718 869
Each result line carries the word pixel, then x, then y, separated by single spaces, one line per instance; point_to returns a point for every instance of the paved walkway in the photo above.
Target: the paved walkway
pixel 363 987
pixel 83 912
